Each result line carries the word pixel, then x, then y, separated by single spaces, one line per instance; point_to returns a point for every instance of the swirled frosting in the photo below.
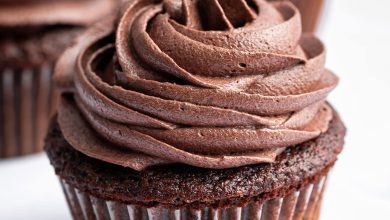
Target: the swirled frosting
pixel 211 83
pixel 22 13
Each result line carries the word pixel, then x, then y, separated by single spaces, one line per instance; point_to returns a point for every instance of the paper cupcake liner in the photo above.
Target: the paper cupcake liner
pixel 303 204
pixel 27 101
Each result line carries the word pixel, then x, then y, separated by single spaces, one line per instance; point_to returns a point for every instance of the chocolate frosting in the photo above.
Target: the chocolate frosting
pixel 22 13
pixel 213 84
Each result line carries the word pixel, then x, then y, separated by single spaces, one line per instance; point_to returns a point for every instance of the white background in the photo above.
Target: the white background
pixel 357 35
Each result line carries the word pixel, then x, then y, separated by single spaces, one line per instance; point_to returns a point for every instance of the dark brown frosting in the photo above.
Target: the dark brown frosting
pixel 22 13
pixel 213 84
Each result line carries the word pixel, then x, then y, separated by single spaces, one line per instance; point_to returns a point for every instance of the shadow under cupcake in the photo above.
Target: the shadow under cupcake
pixel 195 110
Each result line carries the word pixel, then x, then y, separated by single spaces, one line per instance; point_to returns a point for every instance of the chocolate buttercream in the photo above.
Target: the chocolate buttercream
pixel 213 84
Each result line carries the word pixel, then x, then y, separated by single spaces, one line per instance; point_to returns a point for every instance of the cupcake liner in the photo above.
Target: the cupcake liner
pixel 302 204
pixel 27 101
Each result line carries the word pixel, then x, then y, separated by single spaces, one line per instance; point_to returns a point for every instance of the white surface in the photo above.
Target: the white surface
pixel 29 190
pixel 356 34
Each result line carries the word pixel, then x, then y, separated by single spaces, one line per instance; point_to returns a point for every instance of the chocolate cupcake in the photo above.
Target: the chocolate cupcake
pixel 310 11
pixel 183 109
pixel 33 33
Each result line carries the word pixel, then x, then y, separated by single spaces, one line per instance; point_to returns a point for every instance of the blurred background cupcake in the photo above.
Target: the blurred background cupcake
pixel 32 35
pixel 310 12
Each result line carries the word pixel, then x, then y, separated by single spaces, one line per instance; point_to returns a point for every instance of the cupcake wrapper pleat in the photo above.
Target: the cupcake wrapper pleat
pixel 27 101
pixel 304 204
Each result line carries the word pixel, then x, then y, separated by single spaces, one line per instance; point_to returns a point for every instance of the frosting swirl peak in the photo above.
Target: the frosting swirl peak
pixel 211 83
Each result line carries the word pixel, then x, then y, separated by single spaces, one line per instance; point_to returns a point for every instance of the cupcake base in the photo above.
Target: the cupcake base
pixel 301 204
pixel 290 188
pixel 27 101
